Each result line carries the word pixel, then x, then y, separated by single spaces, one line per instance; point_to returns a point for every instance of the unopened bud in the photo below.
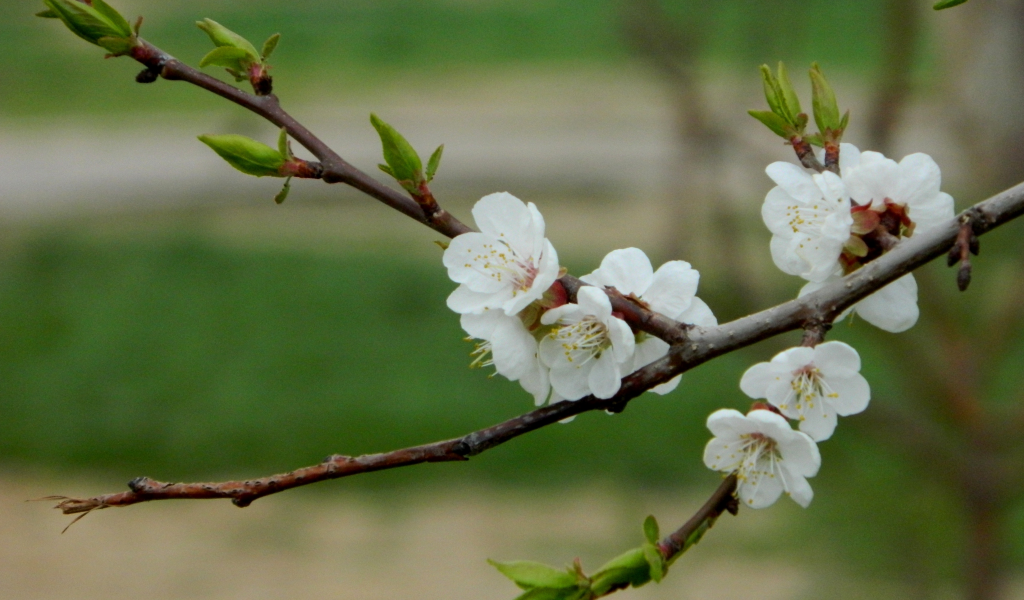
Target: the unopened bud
pixel 247 155
pixel 403 163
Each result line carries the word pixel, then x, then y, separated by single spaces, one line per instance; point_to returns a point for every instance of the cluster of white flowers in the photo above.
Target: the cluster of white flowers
pixel 510 299
pixel 823 226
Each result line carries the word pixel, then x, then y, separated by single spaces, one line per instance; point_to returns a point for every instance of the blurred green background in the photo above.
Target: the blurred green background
pixel 192 330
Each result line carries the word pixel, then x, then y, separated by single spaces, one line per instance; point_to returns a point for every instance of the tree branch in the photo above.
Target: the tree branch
pixel 335 169
pixel 682 539
pixel 700 346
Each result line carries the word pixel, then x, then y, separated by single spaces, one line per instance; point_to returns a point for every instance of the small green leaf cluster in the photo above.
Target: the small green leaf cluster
pixel 634 568
pixel 785 118
pixel 403 163
pixel 235 53
pixel 96 23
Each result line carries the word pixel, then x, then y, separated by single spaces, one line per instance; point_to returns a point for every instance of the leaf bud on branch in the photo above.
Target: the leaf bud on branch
pixel 95 22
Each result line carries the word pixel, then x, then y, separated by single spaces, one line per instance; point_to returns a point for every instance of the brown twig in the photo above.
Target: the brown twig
pixel 722 500
pixel 700 346
pixel 805 153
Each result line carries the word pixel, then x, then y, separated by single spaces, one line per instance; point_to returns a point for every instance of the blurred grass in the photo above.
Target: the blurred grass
pixel 189 359
pixel 341 48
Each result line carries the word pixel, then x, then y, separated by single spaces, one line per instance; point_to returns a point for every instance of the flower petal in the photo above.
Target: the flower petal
pixel 648 351
pixel 467 258
pixel 502 216
pixel 762 487
pixel 604 378
pixel 756 379
pixel 854 393
pixel 931 213
pixel 799 489
pixel 570 380
pixel 698 314
pixel 465 301
pixel 672 288
pixel 627 270
pixel 819 422
pixel 513 348
pixel 667 387
pixel 729 424
pixel 831 357
pixel 723 454
pixel 800 454
pixel 794 180
pixel 593 301
pixel 892 308
pixel 919 180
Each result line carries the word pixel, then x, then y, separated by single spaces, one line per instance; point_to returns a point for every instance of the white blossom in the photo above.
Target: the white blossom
pixel 811 385
pixel 589 351
pixel 876 181
pixel 511 349
pixel 809 217
pixel 507 265
pixel 669 291
pixel 892 308
pixel 766 454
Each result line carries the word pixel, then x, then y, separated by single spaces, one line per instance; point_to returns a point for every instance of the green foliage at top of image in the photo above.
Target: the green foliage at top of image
pixel 362 44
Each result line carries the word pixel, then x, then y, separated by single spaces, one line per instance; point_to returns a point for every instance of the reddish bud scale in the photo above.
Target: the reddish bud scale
pixel 877 232
pixel 764 406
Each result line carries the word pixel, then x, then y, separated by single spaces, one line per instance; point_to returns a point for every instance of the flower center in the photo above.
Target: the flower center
pixel 761 460
pixel 583 340
pixel 877 226
pixel 808 390
pixel 505 264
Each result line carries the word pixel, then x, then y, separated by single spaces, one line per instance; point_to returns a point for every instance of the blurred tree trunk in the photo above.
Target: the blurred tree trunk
pixel 902 26
pixel 705 226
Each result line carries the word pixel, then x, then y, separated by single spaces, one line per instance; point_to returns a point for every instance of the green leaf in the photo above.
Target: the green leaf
pixel 651 531
pixel 773 121
pixel 246 154
pixel 93 24
pixel 629 568
pixel 269 46
pixel 225 56
pixel 944 4
pixel 771 90
pixel 119 23
pixel 790 100
pixel 222 36
pixel 434 162
pixel 399 155
pixel 280 197
pixel 528 574
pixel 826 110
pixel 386 169
pixel 48 14
pixel 656 562
pixel 117 46
pixel 844 121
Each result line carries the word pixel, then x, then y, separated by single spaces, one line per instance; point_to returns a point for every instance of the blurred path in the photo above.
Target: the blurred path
pixel 431 545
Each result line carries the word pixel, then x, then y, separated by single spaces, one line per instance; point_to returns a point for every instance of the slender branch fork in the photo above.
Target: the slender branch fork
pixel 690 346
